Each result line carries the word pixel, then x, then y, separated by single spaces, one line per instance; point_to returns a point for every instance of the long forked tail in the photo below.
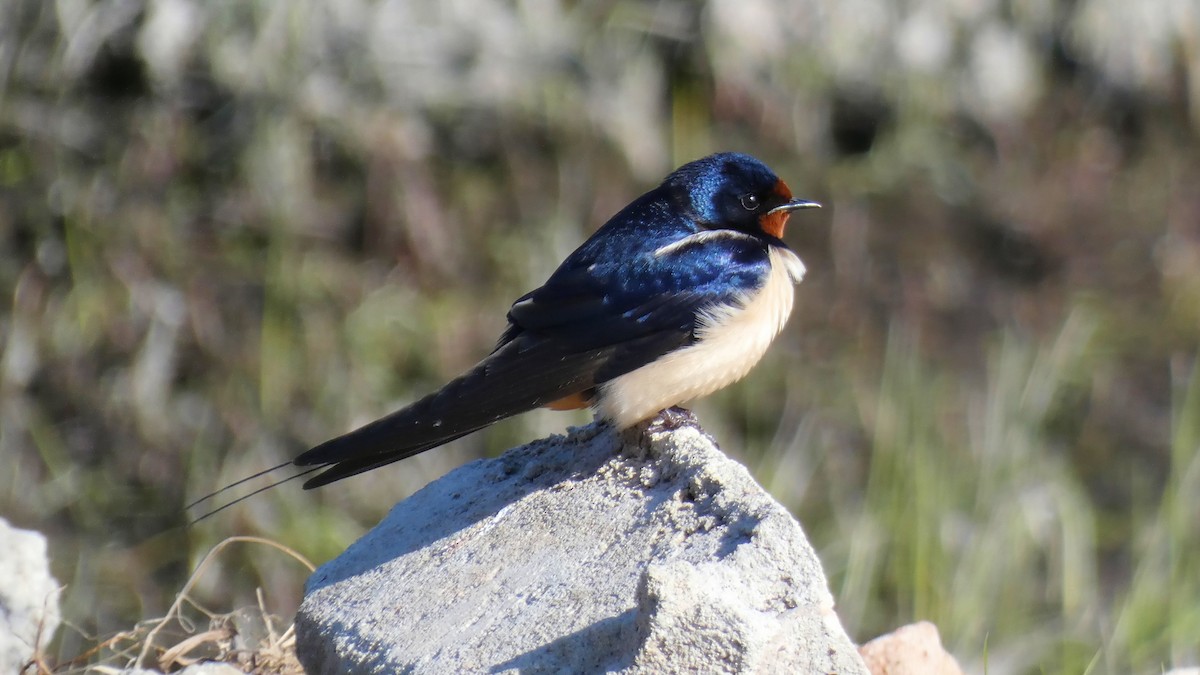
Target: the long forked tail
pixel 516 378
pixel 521 375
pixel 335 471
pixel 332 471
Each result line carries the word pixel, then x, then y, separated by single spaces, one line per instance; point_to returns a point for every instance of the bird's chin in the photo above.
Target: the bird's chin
pixel 773 223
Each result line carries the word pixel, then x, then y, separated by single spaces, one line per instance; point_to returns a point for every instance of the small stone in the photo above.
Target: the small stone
pixel 915 649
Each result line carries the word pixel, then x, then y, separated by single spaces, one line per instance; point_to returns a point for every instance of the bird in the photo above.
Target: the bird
pixel 678 295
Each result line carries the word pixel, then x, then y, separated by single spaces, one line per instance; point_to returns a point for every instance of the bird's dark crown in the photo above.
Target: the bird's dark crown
pixel 731 190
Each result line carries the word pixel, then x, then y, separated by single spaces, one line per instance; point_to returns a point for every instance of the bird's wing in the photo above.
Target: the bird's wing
pixel 589 323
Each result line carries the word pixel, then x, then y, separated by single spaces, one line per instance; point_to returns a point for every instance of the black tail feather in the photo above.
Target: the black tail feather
pixel 522 374
pixel 336 471
pixel 235 484
pixel 243 498
pixel 519 377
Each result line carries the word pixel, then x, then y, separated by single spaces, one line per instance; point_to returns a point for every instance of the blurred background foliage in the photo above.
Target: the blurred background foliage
pixel 232 229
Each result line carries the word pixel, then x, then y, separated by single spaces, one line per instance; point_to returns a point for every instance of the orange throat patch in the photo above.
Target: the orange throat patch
pixel 773 223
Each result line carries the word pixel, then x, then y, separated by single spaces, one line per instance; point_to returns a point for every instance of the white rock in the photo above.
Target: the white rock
pixel 580 554
pixel 28 596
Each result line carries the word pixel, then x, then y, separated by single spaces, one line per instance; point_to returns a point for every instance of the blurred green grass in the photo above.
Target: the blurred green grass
pixel 231 230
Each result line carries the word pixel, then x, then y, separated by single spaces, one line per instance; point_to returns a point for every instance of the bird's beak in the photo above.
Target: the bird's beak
pixel 772 222
pixel 794 205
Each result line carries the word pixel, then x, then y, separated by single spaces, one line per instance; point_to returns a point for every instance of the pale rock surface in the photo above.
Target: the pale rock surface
pixel 28 596
pixel 594 552
pixel 915 649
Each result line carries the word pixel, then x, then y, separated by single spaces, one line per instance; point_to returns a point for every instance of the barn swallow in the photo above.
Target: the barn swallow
pixel 675 297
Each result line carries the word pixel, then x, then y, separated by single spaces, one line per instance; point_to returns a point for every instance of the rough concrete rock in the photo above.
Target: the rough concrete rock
pixel 580 554
pixel 28 596
pixel 915 649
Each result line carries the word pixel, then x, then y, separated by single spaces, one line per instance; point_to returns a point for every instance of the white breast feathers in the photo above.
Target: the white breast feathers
pixel 730 341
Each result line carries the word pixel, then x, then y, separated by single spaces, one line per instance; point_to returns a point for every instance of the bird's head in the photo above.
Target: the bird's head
pixel 735 192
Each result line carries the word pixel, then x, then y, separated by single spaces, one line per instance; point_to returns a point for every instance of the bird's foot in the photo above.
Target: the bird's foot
pixel 673 418
pixel 640 435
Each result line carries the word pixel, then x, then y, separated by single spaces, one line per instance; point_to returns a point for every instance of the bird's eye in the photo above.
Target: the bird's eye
pixel 749 201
